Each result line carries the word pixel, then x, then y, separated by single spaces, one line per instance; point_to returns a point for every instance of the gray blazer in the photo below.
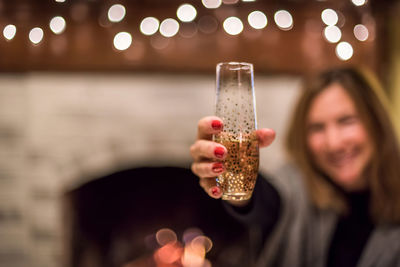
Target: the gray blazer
pixel 302 234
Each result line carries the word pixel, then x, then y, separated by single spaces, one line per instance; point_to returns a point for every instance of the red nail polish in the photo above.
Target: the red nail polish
pixel 217 167
pixel 219 152
pixel 215 191
pixel 216 125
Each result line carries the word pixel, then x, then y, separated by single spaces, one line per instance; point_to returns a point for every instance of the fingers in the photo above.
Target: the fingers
pixel 208 126
pixel 210 186
pixel 265 136
pixel 209 150
pixel 207 169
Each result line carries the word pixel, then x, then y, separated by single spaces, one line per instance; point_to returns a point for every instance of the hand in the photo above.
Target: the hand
pixel 208 156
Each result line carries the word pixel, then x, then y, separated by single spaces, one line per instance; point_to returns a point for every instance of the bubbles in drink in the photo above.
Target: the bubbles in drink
pixel 241 164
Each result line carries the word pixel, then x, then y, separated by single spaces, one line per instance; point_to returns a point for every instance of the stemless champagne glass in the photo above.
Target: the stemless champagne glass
pixel 236 106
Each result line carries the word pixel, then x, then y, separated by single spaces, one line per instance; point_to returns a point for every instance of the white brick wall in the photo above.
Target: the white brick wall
pixel 58 129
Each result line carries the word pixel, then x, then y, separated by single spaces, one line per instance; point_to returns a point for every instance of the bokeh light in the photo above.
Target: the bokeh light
pixel 332 34
pixel 116 13
pixel 257 20
pixel 186 13
pixel 329 17
pixel 283 20
pixel 359 2
pixel 165 236
pixel 60 1
pixel 57 24
pixel 361 32
pixel 169 27
pixel 36 35
pixel 202 241
pixel 344 51
pixel 122 40
pixel 233 25
pixel 211 3
pixel 9 31
pixel 149 26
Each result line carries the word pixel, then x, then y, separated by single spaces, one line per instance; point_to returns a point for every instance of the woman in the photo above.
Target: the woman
pixel 339 204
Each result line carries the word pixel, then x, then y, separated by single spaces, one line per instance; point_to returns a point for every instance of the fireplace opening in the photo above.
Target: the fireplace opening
pixel 135 217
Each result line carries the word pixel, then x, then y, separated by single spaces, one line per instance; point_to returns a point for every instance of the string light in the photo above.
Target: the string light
pixel 257 20
pixel 169 27
pixel 186 13
pixel 329 16
pixel 9 31
pixel 36 35
pixel 344 51
pixel 57 24
pixel 332 34
pixel 361 32
pixel 149 26
pixel 283 20
pixel 116 13
pixel 233 25
pixel 122 40
pixel 212 4
pixel 359 2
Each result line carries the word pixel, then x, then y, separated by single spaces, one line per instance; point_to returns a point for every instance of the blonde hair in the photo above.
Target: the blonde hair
pixel 383 170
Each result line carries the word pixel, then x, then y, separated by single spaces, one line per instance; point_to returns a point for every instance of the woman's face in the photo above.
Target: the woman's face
pixel 337 138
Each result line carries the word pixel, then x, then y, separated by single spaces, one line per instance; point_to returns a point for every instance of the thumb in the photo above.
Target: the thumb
pixel 265 136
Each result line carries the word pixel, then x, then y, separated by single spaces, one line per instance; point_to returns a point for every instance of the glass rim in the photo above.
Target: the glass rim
pixel 234 63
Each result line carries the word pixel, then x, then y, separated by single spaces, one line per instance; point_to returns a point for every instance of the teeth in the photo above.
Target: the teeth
pixel 341 159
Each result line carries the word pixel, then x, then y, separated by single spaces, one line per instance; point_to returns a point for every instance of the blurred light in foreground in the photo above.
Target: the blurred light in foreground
pixel 283 19
pixel 248 0
pixel 36 35
pixel 211 3
pixel 57 24
pixel 233 25
pixel 329 16
pixel 193 256
pixel 165 236
pixel 257 20
pixel 9 31
pixel 149 25
pixel 186 13
pixel 202 241
pixel 122 40
pixel 116 13
pixel 60 1
pixel 332 34
pixel 168 254
pixel 344 51
pixel 361 32
pixel 169 27
pixel 359 2
pixel 190 234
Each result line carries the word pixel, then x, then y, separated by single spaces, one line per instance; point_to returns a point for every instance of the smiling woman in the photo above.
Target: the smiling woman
pixel 350 141
pixel 337 138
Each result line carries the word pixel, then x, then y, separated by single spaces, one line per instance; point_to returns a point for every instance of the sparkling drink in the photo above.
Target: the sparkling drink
pixel 241 165
pixel 236 106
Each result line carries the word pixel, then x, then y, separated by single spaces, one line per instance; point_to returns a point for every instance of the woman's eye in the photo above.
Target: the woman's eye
pixel 348 120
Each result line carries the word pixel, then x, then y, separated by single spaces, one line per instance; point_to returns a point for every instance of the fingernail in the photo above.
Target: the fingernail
pixel 219 152
pixel 216 125
pixel 215 191
pixel 217 167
